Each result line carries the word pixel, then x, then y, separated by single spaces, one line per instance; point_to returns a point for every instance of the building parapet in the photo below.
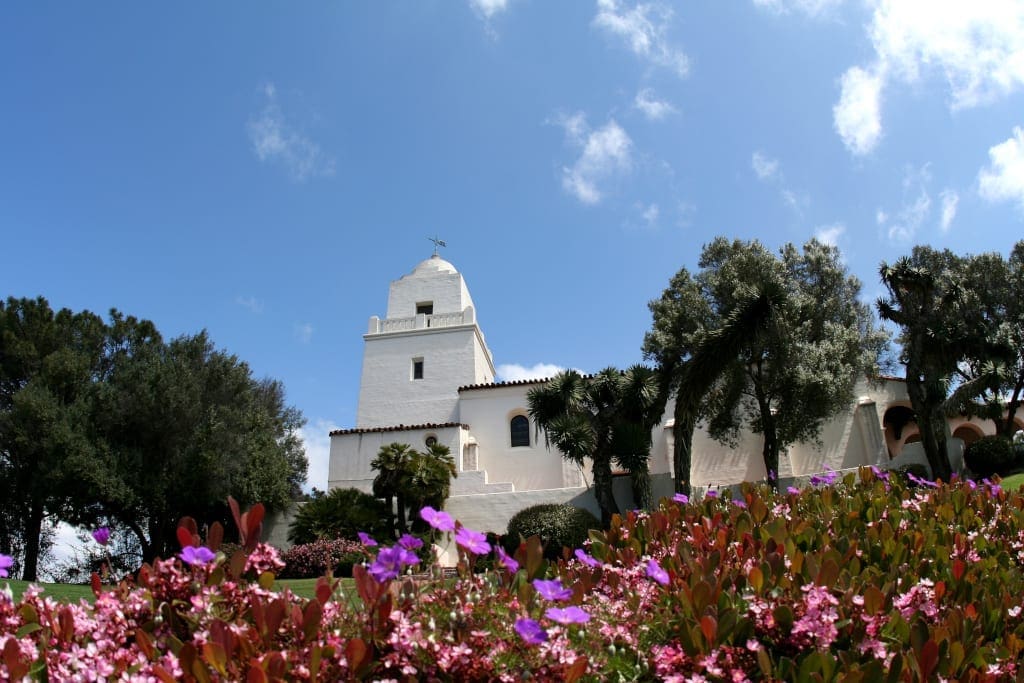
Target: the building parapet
pixel 422 321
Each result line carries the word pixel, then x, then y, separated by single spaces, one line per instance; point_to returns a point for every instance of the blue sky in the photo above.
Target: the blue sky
pixel 264 170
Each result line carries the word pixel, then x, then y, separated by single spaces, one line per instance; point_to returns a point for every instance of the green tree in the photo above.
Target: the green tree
pixel 588 416
pixel 391 465
pixel 339 513
pixel 957 342
pixel 48 364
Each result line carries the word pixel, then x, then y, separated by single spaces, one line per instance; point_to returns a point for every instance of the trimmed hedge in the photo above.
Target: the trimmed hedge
pixel 990 455
pixel 310 560
pixel 558 525
pixel 340 513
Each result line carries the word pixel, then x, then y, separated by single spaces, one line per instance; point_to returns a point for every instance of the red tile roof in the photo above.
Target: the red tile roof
pixel 398 428
pixel 513 383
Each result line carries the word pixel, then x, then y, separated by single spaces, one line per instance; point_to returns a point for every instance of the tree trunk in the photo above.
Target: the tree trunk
pixel 931 422
pixel 682 448
pixel 1008 427
pixel 33 530
pixel 770 448
pixel 603 489
pixel 640 482
pixel 400 500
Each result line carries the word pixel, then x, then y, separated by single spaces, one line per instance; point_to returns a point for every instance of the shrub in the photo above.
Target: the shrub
pixel 990 455
pixel 913 471
pixel 558 525
pixel 340 513
pixel 310 560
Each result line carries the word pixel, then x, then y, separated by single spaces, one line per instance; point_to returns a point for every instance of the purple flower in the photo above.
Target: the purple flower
pixel 510 564
pixel 681 498
pixel 390 561
pixel 441 521
pixel 655 572
pixel 569 615
pixel 794 490
pixel 101 535
pixel 880 473
pixel 586 559
pixel 197 555
pixel 473 541
pixel 410 542
pixel 922 482
pixel 771 475
pixel 366 539
pixel 738 502
pixel 530 631
pixel 711 493
pixel 552 590
pixel 6 562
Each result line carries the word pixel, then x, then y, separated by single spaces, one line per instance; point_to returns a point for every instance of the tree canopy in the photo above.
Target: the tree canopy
pixel 108 423
pixel 770 342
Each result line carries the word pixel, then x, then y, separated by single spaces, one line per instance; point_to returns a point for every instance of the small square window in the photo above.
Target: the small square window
pixel 417 368
pixel 425 307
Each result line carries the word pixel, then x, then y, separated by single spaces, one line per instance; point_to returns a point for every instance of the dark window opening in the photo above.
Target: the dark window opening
pixel 426 308
pixel 417 369
pixel 519 429
pixel 431 441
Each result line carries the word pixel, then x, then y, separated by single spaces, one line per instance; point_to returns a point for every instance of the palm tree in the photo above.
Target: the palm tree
pixel 427 479
pixel 391 463
pixel 592 416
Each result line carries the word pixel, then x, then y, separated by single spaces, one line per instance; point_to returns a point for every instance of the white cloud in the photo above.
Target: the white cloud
pixel 488 8
pixel 650 215
pixel 304 332
pixel 881 217
pixel 606 152
pixel 976 47
pixel 250 302
pixel 643 27
pixel 950 199
pixel 830 234
pixel 811 7
pixel 763 166
pixel 653 108
pixel 902 226
pixel 274 140
pixel 857 115
pixel 317 442
pixel 512 372
pixel 1004 178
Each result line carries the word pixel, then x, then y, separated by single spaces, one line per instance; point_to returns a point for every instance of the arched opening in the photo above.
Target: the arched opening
pixel 519 431
pixel 897 421
pixel 968 433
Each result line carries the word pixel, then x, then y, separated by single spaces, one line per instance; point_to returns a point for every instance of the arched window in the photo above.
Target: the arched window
pixel 519 430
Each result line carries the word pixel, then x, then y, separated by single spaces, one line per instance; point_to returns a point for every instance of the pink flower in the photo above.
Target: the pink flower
pixel 586 559
pixel 441 521
pixel 568 615
pixel 197 556
pixel 101 535
pixel 655 572
pixel 510 564
pixel 552 590
pixel 530 631
pixel 6 562
pixel 473 541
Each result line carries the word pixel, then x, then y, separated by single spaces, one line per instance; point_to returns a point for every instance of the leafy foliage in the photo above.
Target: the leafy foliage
pixel 408 480
pixel 310 560
pixel 991 455
pixel 339 513
pixel 606 418
pixel 557 525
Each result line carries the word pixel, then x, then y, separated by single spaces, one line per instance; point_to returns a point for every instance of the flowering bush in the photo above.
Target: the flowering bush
pixel 310 560
pixel 857 580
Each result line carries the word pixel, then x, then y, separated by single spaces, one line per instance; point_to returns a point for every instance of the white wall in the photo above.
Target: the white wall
pixel 389 396
pixel 488 412
pixel 351 454
pixel 446 290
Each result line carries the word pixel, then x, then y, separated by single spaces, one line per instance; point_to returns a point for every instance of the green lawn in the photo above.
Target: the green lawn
pixel 304 588
pixel 1013 482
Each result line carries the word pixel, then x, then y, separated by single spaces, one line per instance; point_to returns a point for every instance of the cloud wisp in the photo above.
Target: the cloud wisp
pixel 274 140
pixel 651 107
pixel 304 332
pixel 950 199
pixel 901 228
pixel 317 442
pixel 643 27
pixel 976 47
pixel 1003 179
pixel 250 302
pixel 604 153
pixel 769 171
pixel 513 372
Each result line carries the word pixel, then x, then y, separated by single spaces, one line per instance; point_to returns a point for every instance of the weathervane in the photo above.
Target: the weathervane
pixel 437 243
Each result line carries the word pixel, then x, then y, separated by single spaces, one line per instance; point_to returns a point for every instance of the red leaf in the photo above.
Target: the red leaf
pixel 215 536
pixel 185 538
pixel 928 658
pixel 256 674
pixel 356 653
pixel 709 627
pixel 324 590
pixel 233 504
pixel 959 567
pixel 145 643
pixel 97 585
pixel 16 668
pixel 578 668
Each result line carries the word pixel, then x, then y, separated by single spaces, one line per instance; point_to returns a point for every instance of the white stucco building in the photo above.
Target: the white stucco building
pixel 428 375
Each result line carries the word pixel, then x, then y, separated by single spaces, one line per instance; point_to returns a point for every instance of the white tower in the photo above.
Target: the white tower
pixel 429 345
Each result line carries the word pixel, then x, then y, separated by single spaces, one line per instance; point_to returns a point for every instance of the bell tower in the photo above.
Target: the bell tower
pixel 428 345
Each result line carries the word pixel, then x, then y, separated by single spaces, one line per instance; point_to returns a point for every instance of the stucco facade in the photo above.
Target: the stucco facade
pixel 452 397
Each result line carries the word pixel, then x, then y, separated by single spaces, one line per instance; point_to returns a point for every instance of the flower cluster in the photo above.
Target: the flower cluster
pixel 872 578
